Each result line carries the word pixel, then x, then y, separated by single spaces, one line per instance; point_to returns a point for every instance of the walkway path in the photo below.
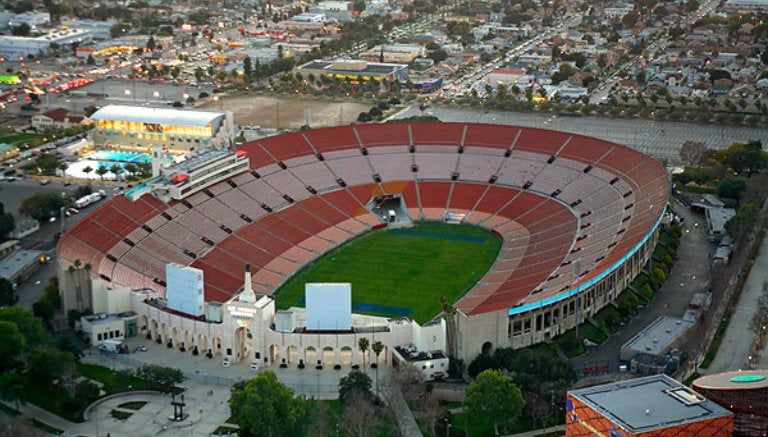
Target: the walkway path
pixel 735 348
pixel 404 416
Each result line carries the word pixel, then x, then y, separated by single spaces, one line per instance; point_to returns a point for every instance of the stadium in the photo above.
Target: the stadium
pixel 577 216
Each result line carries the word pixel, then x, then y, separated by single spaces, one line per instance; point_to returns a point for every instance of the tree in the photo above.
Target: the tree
pixel 42 205
pixel 47 162
pixel 12 387
pixel 693 152
pixel 7 222
pixel 494 400
pixel 131 168
pixel 731 187
pixel 166 377
pixel 63 166
pixel 355 382
pixel 47 364
pixel 43 308
pixel 29 326
pixel 88 169
pixel 116 169
pixel 11 345
pixel 7 296
pixel 377 348
pixel 362 345
pixel 745 159
pixel 263 406
pixel 247 67
pixel 101 171
pixel 360 416
pixel 151 44
pixel 743 222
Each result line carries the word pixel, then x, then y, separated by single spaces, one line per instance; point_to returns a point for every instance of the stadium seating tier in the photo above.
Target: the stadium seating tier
pixel 536 198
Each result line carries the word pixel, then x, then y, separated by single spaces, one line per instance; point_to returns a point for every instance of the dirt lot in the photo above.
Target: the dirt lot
pixel 267 110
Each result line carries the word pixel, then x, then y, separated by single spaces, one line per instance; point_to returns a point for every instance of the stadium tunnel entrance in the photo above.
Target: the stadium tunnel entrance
pixel 390 208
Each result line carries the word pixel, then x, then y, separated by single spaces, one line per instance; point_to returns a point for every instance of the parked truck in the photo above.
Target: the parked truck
pixel 89 199
pixel 113 346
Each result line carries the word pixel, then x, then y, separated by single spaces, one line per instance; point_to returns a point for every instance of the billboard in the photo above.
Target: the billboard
pixel 329 306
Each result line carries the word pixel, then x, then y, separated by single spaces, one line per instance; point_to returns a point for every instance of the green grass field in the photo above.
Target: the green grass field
pixel 402 271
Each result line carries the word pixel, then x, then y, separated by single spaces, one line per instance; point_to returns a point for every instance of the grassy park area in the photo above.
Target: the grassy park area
pixel 402 271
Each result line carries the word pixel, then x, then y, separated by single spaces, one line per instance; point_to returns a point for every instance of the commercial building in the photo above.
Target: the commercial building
pixel 657 339
pixel 744 393
pixel 356 71
pixel 21 264
pixel 653 406
pixel 393 53
pixel 99 327
pixel 506 77
pixel 13 47
pixel 175 130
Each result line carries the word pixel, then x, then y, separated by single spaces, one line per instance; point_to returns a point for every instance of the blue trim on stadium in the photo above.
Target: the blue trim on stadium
pixel 579 288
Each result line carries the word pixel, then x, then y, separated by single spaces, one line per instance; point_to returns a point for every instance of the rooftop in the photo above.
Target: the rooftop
pixel 741 380
pixel 649 403
pixel 179 117
pixel 18 261
pixel 370 68
pixel 100 319
pixel 658 336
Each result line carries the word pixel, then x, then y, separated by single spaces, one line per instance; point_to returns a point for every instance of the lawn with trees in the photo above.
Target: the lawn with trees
pixel 36 368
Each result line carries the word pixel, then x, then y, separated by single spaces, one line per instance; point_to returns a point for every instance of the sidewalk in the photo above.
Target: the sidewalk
pixel 404 416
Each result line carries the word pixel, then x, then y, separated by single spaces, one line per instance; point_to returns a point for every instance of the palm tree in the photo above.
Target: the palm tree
pixel 377 349
pixel 63 167
pixel 131 168
pixel 87 170
pixel 101 171
pixel 363 344
pixel 73 270
pixel 116 169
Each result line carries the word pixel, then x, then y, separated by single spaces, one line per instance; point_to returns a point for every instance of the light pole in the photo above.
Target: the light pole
pixel 63 215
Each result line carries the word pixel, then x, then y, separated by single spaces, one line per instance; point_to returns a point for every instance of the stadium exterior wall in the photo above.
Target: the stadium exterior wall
pixel 546 316
pixel 246 332
pixel 500 330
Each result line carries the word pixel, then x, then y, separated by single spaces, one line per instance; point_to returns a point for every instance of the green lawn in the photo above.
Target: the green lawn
pixel 402 271
pixel 18 139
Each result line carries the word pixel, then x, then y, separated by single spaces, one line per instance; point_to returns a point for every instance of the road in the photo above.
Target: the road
pixel 11 195
pixel 688 276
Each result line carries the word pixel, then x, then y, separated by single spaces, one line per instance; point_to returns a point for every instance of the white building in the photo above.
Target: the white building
pixel 34 20
pixel 99 327
pixel 22 46
pixel 245 328
pixel 175 130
